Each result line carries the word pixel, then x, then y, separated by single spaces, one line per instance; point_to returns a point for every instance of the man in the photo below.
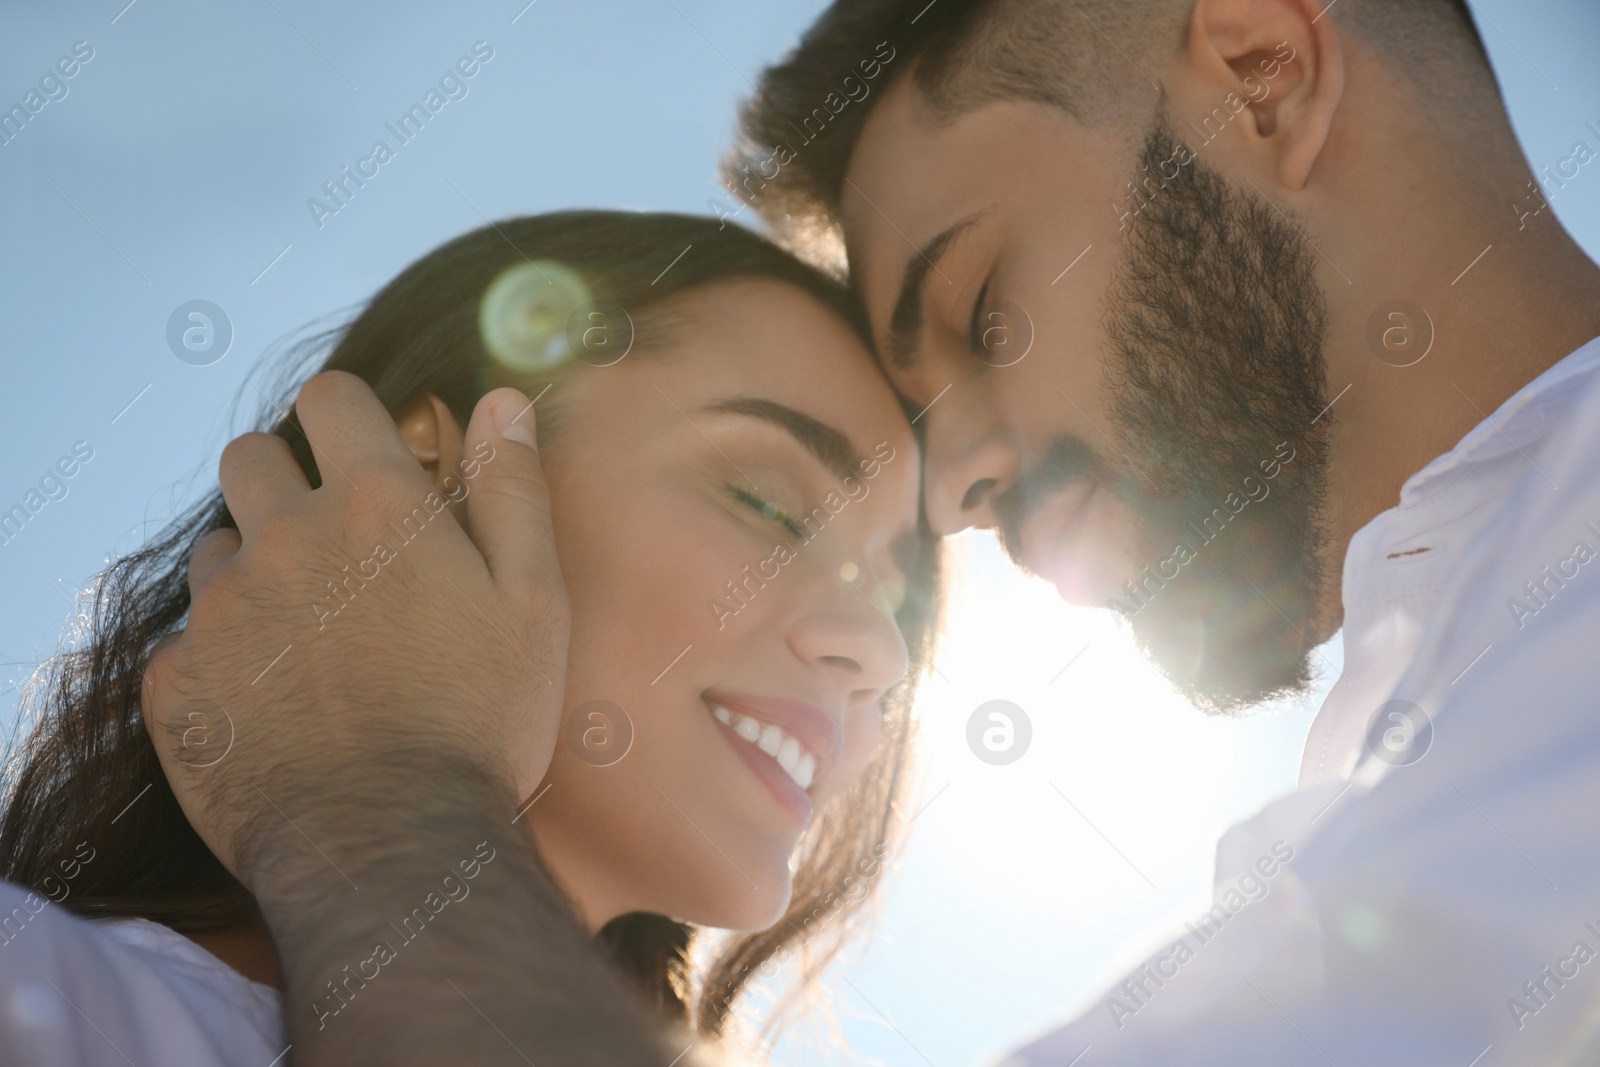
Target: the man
pixel 1245 319
pixel 1204 306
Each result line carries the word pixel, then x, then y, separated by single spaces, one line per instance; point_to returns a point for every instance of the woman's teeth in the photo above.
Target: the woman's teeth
pixel 801 765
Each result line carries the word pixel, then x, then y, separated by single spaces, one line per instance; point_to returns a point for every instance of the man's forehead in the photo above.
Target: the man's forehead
pixel 895 195
pixel 916 173
pixel 898 131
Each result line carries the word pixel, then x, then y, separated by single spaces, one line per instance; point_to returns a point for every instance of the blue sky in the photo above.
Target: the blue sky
pixel 177 167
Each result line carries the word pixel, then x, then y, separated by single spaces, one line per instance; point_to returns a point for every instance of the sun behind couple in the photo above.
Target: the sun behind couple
pixel 690 420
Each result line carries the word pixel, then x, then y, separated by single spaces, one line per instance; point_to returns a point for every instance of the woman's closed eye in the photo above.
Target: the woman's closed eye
pixel 769 510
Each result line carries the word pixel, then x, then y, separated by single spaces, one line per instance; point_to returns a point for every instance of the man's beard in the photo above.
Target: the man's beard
pixel 1214 375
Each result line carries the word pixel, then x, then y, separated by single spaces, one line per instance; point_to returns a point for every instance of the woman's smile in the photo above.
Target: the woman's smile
pixel 787 743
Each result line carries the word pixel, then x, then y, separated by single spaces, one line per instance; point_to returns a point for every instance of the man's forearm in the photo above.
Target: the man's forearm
pixel 417 926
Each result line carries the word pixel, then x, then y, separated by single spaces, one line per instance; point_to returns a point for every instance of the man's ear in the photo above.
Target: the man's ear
pixel 1281 61
pixel 435 438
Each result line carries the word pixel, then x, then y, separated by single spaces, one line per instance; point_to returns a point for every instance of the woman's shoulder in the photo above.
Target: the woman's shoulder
pixel 108 991
pixel 179 956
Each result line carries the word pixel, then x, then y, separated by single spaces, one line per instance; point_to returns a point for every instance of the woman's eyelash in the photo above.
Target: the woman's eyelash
pixel 974 336
pixel 767 509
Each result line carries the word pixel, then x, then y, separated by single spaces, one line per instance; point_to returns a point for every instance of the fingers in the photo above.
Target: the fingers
pixel 257 470
pixel 210 553
pixel 156 686
pixel 349 428
pixel 509 511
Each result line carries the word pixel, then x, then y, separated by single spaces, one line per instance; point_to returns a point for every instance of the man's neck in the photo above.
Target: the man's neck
pixel 1498 305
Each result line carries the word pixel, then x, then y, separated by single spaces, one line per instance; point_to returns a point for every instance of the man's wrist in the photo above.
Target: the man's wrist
pixel 421 885
pixel 318 826
pixel 319 837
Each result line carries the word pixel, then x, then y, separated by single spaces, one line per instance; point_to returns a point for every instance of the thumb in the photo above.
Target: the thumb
pixel 509 514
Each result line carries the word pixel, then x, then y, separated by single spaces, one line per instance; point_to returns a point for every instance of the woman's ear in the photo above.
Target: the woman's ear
pixel 435 438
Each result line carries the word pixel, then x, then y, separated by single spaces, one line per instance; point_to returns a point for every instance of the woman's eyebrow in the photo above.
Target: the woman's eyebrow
pixel 831 447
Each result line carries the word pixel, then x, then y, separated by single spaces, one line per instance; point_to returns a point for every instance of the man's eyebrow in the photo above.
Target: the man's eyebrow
pixel 831 447
pixel 905 323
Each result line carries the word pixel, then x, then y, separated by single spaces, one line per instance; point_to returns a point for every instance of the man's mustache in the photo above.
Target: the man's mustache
pixel 1066 461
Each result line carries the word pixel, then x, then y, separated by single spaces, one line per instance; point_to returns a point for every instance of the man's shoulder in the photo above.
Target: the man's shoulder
pixel 1552 509
pixel 75 991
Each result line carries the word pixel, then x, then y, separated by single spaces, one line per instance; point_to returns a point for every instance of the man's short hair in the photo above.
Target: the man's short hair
pixel 1076 55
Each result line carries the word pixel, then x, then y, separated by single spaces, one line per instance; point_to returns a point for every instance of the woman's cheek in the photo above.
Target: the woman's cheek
pixel 729 585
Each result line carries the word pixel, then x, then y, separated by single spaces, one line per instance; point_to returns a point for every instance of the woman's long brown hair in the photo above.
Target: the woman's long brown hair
pixel 73 774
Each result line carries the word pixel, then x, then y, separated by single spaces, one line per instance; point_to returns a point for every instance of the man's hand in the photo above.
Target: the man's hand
pixel 362 701
pixel 356 622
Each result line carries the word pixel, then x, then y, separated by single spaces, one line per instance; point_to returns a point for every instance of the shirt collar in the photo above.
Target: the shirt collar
pixel 1523 419
pixel 1395 565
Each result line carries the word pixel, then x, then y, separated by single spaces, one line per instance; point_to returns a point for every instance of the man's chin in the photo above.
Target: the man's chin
pixel 1238 654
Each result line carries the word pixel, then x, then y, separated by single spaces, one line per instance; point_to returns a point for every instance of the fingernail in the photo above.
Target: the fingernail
pixel 513 418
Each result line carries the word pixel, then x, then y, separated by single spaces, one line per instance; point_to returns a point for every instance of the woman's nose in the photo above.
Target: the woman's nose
pixel 853 641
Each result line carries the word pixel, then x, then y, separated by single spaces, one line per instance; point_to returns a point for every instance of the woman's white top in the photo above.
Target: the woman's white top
pixel 110 993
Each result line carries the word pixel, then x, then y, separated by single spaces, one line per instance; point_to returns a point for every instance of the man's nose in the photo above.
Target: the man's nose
pixel 964 471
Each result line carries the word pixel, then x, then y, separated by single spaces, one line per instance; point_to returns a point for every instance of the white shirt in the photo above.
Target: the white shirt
pixel 1440 905
pixel 109 993
pixel 1396 564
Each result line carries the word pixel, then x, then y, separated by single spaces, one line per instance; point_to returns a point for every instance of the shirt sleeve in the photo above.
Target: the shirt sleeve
pixel 1445 907
pixel 71 994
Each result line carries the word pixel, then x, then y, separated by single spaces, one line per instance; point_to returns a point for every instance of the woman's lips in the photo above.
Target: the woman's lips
pixel 781 739
pixel 784 789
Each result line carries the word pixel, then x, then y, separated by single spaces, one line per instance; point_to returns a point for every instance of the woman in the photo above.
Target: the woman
pixel 732 482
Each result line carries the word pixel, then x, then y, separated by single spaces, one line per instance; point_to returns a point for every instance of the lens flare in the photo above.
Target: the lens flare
pixel 524 315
